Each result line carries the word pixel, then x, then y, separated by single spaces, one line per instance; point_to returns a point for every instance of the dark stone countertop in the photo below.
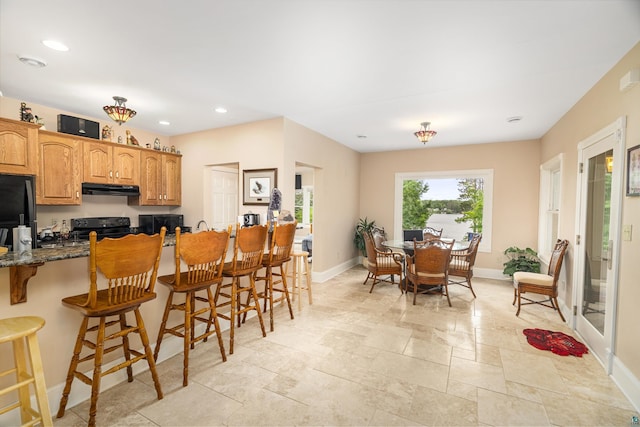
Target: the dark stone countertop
pixel 59 252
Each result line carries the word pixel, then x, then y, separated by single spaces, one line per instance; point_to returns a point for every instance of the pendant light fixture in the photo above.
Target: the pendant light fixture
pixel 425 134
pixel 119 111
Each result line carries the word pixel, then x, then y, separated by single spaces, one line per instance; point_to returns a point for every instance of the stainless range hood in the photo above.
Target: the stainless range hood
pixel 110 189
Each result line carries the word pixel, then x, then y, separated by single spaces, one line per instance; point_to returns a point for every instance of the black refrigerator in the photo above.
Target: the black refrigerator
pixel 17 197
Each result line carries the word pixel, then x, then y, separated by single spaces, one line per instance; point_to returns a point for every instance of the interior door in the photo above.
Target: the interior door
pixel 601 159
pixel 223 207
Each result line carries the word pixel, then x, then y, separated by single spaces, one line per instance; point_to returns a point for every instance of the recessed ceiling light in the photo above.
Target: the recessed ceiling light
pixel 514 119
pixel 221 110
pixel 164 122
pixel 34 62
pixel 55 45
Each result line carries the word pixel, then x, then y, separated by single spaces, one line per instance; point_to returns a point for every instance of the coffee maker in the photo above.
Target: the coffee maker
pixel 250 219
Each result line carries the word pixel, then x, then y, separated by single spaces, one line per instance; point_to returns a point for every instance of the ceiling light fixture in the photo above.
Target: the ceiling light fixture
pixel 164 122
pixel 221 110
pixel 119 111
pixel 425 134
pixel 34 62
pixel 55 45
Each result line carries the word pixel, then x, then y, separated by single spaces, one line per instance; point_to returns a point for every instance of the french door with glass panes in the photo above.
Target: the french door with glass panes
pixel 600 178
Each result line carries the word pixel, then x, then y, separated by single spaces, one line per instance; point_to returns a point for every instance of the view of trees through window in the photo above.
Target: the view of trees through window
pixel 462 205
pixel 304 206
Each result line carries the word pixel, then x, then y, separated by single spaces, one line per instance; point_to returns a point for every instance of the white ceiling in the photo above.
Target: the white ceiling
pixel 342 68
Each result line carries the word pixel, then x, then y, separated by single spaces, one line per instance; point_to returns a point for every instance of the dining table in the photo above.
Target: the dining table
pixel 407 247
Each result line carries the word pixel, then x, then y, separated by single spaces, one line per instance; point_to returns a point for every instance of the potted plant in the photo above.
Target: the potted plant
pixel 521 260
pixel 363 226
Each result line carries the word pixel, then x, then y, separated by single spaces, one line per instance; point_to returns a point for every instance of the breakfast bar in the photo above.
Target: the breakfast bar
pixel 23 266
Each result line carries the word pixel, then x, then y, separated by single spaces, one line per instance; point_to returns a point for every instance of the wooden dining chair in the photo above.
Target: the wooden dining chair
pixel 462 262
pixel 248 250
pixel 203 254
pixel 280 247
pixel 381 263
pixel 428 267
pixel 541 283
pixel 431 233
pixel 129 267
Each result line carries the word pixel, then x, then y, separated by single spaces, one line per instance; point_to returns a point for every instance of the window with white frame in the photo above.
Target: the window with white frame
pixel 486 175
pixel 550 197
pixel 304 205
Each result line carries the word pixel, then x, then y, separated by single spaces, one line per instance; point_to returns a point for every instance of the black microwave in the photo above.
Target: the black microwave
pixel 151 224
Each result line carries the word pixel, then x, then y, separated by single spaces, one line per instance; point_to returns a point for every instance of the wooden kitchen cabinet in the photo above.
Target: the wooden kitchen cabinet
pixel 18 147
pixel 161 180
pixel 58 181
pixel 106 163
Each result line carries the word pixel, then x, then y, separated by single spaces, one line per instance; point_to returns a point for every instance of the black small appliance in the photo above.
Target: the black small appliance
pixel 251 219
pixel 151 224
pixel 17 197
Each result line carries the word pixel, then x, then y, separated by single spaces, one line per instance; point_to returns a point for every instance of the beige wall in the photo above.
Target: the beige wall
pixel 515 195
pixel 256 145
pixel 335 193
pixel 599 107
pixel 281 143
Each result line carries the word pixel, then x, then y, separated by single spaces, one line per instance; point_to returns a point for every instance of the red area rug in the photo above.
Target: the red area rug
pixel 557 342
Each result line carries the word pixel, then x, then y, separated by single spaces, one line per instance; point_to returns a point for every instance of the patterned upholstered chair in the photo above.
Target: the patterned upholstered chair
pixel 381 263
pixel 462 262
pixel 541 283
pixel 429 267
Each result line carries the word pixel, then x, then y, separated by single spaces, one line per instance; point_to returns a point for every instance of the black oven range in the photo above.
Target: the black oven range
pixel 104 226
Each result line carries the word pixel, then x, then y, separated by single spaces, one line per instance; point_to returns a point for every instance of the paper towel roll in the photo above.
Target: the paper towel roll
pixel 22 239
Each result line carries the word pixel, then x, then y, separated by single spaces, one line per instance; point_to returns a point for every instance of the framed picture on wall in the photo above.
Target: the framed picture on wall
pixel 633 171
pixel 257 185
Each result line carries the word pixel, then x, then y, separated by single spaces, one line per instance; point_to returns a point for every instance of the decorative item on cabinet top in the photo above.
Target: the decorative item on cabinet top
pixel 77 126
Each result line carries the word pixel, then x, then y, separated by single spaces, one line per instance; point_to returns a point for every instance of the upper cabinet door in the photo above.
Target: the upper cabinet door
pixel 59 176
pixel 108 164
pixel 126 166
pixel 151 181
pixel 97 163
pixel 18 147
pixel 172 180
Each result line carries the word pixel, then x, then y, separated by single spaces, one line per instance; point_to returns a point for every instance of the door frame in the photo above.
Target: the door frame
pixel 617 131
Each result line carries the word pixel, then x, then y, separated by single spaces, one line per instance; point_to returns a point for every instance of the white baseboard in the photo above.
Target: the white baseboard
pixel 323 276
pixel 490 273
pixel 628 383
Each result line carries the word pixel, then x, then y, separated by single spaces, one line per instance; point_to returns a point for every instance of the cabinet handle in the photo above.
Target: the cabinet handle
pixel 110 174
pixel 117 174
pixel 77 194
pixel 165 197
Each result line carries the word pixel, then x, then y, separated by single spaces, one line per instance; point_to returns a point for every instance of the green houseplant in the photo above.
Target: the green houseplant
pixel 363 226
pixel 521 260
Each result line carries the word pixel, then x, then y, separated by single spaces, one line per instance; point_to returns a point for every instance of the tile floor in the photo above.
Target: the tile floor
pixel 360 359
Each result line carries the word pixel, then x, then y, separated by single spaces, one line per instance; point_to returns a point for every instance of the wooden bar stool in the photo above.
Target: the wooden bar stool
pixel 300 270
pixel 248 250
pixel 16 330
pixel 203 253
pixel 129 267
pixel 280 246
